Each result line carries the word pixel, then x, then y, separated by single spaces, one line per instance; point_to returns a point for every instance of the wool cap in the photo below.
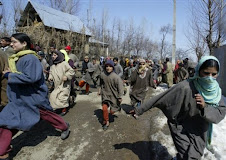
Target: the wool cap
pixel 68 48
pixel 110 62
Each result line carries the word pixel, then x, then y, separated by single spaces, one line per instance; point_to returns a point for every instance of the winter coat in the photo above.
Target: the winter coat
pixel 84 67
pixel 111 89
pixel 74 58
pixel 27 92
pixel 187 122
pixel 8 51
pixel 3 81
pixel 118 70
pixel 139 86
pixel 89 73
pixel 169 74
pixel 181 74
pixel 97 72
pixel 60 95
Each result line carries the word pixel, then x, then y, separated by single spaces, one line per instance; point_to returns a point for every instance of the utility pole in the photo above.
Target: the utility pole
pixel 0 14
pixel 103 26
pixel 174 32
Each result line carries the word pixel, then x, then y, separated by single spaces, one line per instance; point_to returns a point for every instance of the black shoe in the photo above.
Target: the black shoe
pixel 65 134
pixel 105 127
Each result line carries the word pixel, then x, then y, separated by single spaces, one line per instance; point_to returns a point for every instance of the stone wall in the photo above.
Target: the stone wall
pixel 220 53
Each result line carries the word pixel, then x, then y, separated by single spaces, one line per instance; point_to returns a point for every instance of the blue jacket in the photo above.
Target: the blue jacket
pixel 27 92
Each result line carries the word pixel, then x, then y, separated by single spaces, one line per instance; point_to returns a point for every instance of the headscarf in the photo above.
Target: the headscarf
pixel 15 57
pixel 60 57
pixel 210 91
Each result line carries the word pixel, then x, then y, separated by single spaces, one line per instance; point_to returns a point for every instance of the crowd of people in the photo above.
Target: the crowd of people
pixel 36 85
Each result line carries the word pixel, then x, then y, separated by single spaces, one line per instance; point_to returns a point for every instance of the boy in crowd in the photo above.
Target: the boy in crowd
pixel 111 91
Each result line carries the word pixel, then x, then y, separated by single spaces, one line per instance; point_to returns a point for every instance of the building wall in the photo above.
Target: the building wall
pixel 220 53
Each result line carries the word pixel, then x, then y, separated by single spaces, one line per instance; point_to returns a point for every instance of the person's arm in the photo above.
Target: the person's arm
pixel 120 87
pixel 150 79
pixel 32 71
pixel 186 73
pixel 214 114
pixel 170 102
pixel 121 71
pixel 69 72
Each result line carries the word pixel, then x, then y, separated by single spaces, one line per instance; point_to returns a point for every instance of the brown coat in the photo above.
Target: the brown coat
pixel 139 86
pixel 9 51
pixel 111 89
pixel 3 65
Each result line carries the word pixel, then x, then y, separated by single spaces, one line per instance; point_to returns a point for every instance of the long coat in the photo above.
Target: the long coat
pixel 111 89
pixel 3 81
pixel 187 122
pixel 139 86
pixel 169 74
pixel 8 51
pixel 60 95
pixel 27 92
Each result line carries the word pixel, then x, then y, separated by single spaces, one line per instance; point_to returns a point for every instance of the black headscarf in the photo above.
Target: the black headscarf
pixel 60 57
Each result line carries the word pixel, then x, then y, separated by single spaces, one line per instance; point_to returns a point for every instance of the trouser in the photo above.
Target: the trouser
pixel 105 113
pixel 6 134
pixel 82 83
pixel 189 146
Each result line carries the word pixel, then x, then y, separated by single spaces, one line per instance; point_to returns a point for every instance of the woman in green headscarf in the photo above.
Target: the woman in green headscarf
pixel 191 107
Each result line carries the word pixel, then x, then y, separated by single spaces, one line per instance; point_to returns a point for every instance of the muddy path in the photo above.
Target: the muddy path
pixel 126 138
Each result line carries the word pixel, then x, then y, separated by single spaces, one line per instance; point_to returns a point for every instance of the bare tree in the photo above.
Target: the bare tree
pixel 164 31
pixel 181 54
pixel 210 16
pixel 196 39
pixel 5 19
pixel 138 41
pixel 129 33
pixel 16 13
pixel 67 6
pixel 151 49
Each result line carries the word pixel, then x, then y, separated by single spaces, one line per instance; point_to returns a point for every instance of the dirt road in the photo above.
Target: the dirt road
pixel 126 138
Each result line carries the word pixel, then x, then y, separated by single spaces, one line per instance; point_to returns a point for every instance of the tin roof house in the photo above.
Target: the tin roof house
pixel 47 26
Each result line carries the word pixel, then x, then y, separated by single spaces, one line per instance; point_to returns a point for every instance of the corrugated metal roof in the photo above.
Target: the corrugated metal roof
pixel 60 20
pixel 92 40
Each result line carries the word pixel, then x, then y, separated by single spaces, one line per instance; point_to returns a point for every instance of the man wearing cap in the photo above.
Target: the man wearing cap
pixel 111 91
pixel 72 56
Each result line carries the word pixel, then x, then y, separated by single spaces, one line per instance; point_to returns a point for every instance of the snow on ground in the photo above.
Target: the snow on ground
pixel 218 142
pixel 218 139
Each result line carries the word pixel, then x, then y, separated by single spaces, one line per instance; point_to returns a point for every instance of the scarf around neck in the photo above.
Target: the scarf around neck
pixel 211 92
pixel 15 57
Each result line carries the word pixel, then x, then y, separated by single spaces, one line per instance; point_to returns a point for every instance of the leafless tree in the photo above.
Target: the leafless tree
pixel 151 49
pixel 4 25
pixel 67 6
pixel 210 16
pixel 181 54
pixel 128 42
pixel 194 33
pixel 16 13
pixel 138 41
pixel 164 31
